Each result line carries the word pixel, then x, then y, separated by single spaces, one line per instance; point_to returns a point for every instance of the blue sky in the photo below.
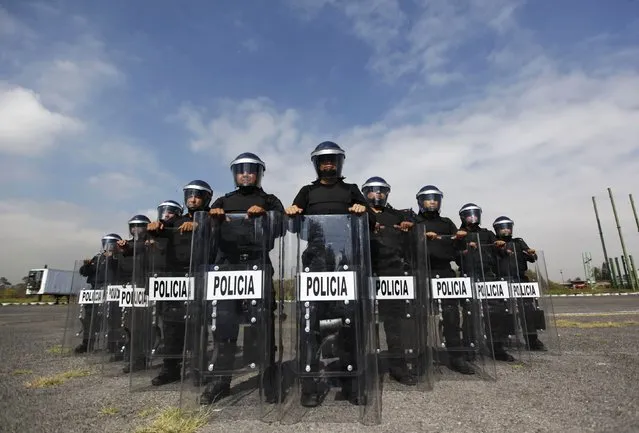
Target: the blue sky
pixel 527 108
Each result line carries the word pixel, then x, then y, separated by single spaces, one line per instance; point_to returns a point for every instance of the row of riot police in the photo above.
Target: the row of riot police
pixel 320 298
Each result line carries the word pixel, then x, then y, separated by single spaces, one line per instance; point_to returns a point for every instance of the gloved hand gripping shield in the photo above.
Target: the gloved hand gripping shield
pixel 403 314
pixel 331 372
pixel 230 332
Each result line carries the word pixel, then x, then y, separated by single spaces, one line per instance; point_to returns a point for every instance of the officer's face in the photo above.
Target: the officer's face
pixel 246 178
pixel 431 204
pixel 327 163
pixel 379 195
pixel 505 232
pixel 168 215
pixel 194 202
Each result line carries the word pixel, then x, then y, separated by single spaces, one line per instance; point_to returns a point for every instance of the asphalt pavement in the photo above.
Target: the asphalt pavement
pixel 586 384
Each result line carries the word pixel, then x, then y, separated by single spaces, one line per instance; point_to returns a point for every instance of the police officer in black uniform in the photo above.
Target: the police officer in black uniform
pixel 197 197
pixel 516 263
pixel 95 271
pixel 479 260
pixel 327 195
pixel 445 243
pixel 390 257
pixel 135 252
pixel 237 246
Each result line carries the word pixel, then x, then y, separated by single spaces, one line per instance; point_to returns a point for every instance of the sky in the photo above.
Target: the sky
pixel 527 109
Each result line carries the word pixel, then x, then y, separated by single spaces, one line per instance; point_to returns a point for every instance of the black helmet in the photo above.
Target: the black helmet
pixel 470 215
pixel 328 152
pixel 380 187
pixel 169 209
pixel 503 227
pixel 109 241
pixel 429 193
pixel 248 163
pixel 138 226
pixel 198 188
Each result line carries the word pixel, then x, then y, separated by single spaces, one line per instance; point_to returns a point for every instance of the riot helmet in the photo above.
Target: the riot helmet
pixel 328 160
pixel 503 227
pixel 248 170
pixel 169 209
pixel 199 190
pixel 376 191
pixel 138 226
pixel 429 199
pixel 110 241
pixel 470 215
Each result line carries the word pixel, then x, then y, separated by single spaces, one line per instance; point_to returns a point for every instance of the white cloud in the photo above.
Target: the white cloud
pixel 535 151
pixel 27 127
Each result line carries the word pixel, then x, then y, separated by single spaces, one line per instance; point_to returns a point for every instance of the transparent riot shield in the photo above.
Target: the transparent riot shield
pixel 507 326
pixel 330 369
pixel 462 335
pixel 539 321
pixel 169 286
pixel 230 328
pixel 114 336
pixel 402 292
pixel 77 328
pixel 85 339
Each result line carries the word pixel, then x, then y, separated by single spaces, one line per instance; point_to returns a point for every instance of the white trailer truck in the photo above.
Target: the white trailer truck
pixel 54 282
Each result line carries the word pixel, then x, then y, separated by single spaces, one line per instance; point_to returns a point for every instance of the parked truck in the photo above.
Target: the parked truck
pixel 54 282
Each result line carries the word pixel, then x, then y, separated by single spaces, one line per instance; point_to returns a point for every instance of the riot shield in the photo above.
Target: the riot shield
pixel 509 272
pixel 330 372
pixel 137 318
pixel 462 334
pixel 230 326
pixel 169 287
pixel 79 320
pixel 403 321
pixel 538 318
pixel 87 312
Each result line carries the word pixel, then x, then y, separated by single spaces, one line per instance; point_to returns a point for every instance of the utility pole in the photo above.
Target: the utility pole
pixel 621 280
pixel 631 280
pixel 603 244
pixel 634 211
pixel 587 258
pixel 613 276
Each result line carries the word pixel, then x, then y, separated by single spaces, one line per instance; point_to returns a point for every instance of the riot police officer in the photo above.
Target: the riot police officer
pixel 136 250
pixel 329 194
pixel 390 257
pixel 445 243
pixel 479 260
pixel 515 263
pixel 94 270
pixel 239 246
pixel 197 197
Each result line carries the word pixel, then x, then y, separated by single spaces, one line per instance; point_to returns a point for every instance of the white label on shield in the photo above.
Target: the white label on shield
pixel 113 293
pixel 86 297
pixel 126 297
pixel 393 287
pixel 451 288
pixel 327 286
pixel 171 288
pixel 227 285
pixel 525 290
pixel 492 290
pixel 140 299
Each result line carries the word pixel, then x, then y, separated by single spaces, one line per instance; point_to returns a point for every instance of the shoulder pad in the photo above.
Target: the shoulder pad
pixel 228 194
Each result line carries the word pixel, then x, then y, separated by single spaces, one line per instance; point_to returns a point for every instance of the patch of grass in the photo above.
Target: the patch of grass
pixel 562 323
pixel 146 412
pixel 20 372
pixel 109 410
pixel 174 420
pixel 56 379
pixel 59 350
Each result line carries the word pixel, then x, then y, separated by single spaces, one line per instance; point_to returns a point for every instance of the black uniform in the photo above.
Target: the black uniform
pixel 321 199
pixel 238 244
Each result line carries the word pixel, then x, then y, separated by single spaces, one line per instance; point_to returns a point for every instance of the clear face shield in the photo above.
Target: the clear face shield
pixel 328 166
pixel 109 245
pixel 377 196
pixel 167 213
pixel 196 199
pixel 429 202
pixel 247 174
pixel 503 230
pixel 471 217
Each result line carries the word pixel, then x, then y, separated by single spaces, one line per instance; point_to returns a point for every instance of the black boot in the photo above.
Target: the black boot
pixel 459 364
pixel 82 347
pixel 535 344
pixel 169 373
pixel 215 391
